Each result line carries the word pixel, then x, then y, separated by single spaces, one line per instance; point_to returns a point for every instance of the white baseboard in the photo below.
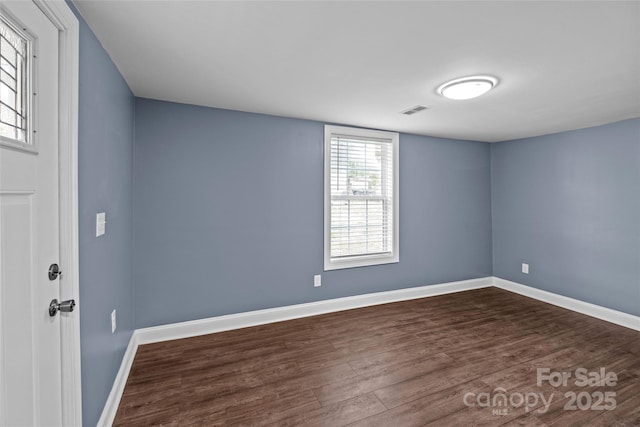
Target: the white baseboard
pixel 279 314
pixel 111 406
pixel 261 317
pixel 619 318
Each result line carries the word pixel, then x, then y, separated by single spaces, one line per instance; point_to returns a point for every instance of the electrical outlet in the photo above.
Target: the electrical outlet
pixel 113 321
pixel 525 268
pixel 317 280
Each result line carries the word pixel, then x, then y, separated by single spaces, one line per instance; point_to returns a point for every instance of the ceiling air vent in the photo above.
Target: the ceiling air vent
pixel 414 110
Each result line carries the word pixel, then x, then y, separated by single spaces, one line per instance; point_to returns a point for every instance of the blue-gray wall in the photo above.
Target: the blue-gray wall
pixel 569 205
pixel 105 180
pixel 229 214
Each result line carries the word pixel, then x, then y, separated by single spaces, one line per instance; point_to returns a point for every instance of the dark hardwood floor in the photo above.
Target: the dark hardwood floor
pixel 403 364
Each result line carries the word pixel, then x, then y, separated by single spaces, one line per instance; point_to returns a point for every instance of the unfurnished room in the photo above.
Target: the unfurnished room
pixel 319 213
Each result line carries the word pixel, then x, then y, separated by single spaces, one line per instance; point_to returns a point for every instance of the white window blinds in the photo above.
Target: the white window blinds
pixel 361 182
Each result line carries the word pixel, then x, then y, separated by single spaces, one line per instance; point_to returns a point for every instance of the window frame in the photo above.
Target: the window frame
pixel 361 260
pixel 30 144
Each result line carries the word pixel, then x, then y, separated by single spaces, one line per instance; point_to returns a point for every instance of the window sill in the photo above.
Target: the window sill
pixel 361 261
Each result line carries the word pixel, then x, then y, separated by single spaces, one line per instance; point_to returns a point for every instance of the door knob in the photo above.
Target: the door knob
pixel 66 306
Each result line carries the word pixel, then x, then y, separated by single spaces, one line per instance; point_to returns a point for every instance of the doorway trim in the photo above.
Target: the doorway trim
pixel 68 27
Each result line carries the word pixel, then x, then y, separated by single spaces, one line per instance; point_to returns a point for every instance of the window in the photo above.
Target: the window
pixel 14 83
pixel 361 197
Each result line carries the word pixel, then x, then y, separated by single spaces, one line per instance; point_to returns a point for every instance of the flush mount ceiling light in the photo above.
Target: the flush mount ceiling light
pixel 467 87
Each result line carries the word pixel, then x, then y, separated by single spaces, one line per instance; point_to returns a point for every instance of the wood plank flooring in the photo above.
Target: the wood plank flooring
pixel 409 363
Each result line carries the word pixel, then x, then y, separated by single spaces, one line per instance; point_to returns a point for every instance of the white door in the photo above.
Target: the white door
pixel 30 361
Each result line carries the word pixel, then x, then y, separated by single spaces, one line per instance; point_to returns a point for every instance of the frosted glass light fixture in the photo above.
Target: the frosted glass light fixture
pixel 467 87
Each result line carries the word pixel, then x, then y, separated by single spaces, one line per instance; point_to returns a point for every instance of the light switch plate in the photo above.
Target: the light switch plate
pixel 525 268
pixel 101 224
pixel 317 280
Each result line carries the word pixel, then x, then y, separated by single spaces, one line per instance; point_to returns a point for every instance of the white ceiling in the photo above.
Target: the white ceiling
pixel 561 65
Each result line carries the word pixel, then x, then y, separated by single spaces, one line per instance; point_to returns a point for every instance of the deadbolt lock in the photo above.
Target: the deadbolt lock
pixel 54 272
